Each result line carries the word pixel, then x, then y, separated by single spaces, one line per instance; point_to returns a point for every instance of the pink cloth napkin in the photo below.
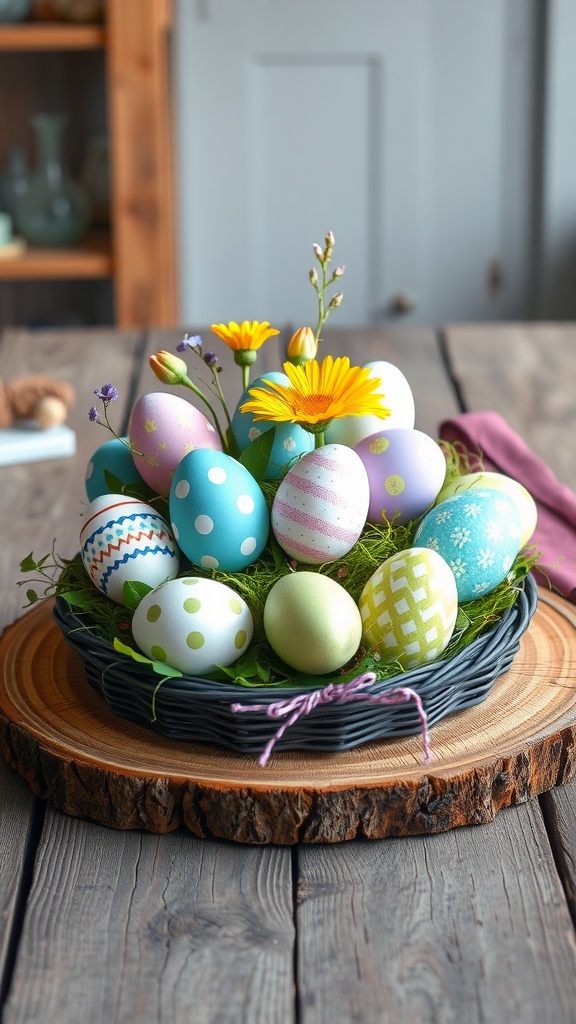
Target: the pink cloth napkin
pixel 503 451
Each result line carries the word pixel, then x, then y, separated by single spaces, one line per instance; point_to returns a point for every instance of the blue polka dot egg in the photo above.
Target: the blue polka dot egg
pixel 478 535
pixel 218 513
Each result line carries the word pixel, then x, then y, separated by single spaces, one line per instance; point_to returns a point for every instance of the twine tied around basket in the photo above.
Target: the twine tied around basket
pixel 302 704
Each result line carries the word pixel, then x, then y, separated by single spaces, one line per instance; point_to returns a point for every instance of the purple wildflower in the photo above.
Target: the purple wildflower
pixel 107 393
pixel 211 359
pixel 194 342
pixel 93 414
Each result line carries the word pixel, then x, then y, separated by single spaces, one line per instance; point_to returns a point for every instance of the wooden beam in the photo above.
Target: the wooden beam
pixel 141 161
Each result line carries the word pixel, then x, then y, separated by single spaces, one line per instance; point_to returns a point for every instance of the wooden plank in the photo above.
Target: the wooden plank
pixel 526 372
pixel 126 927
pixel 558 809
pixel 17 807
pixel 470 926
pixel 42 502
pixel 139 106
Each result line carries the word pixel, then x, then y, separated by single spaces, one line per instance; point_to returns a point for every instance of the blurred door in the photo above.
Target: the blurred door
pixel 403 127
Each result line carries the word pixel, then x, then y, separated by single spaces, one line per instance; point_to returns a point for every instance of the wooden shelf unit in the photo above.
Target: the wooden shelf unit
pixel 92 259
pixel 139 251
pixel 47 36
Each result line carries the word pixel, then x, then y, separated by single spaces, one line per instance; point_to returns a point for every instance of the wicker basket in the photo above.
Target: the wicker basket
pixel 199 710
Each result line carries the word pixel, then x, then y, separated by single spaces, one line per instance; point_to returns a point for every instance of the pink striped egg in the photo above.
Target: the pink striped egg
pixel 321 505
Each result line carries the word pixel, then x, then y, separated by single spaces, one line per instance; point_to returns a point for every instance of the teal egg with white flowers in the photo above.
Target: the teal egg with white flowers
pixel 291 441
pixel 478 534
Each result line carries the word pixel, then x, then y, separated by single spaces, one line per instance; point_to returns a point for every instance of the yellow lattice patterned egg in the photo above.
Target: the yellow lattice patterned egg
pixel 409 607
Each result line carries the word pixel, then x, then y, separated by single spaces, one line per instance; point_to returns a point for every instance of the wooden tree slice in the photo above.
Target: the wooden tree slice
pixel 58 734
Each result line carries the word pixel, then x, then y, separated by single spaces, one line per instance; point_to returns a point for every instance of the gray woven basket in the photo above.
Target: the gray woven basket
pixel 199 710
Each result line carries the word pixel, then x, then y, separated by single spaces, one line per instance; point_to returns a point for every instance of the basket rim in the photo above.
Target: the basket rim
pixel 522 609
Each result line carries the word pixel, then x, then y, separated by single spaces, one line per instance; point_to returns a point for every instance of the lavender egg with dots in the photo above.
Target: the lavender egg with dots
pixel 218 512
pixel 163 428
pixel 406 469
pixel 478 534
pixel 193 625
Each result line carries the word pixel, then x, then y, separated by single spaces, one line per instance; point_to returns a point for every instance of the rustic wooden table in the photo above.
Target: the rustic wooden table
pixel 102 926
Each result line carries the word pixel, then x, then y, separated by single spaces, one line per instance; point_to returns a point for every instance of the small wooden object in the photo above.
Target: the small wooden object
pixel 58 734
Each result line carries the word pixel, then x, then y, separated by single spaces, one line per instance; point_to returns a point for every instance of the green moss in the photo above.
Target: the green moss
pixel 377 543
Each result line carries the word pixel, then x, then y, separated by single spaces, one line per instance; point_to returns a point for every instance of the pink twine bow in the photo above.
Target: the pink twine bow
pixel 340 693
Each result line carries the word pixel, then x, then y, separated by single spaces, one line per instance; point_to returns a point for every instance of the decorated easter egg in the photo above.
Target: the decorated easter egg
pixel 163 429
pixel 290 440
pixel 113 459
pixel 319 510
pixel 193 625
pixel 217 511
pixel 406 469
pixel 124 540
pixel 409 607
pixel 523 500
pixel 311 622
pixel 396 396
pixel 478 534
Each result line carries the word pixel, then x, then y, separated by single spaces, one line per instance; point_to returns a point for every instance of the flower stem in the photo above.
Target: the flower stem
pixel 321 293
pixel 221 397
pixel 123 440
pixel 199 394
pixel 319 439
pixel 245 377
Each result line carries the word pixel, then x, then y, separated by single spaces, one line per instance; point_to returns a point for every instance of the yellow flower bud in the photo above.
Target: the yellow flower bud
pixel 168 368
pixel 302 346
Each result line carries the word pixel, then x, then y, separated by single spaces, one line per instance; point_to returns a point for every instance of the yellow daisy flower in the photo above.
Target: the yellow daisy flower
pixel 317 394
pixel 248 335
pixel 244 339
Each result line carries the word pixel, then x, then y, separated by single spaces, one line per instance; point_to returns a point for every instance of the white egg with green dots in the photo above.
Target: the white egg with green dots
pixel 193 624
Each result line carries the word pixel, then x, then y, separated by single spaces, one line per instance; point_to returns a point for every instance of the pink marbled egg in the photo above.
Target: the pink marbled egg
pixel 163 429
pixel 320 507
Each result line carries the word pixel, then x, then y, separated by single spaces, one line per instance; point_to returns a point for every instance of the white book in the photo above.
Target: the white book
pixel 27 442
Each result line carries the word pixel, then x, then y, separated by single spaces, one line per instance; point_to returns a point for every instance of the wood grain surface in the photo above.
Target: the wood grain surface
pixel 470 925
pixel 466 927
pixel 527 374
pixel 41 502
pixel 58 734
pixel 174 930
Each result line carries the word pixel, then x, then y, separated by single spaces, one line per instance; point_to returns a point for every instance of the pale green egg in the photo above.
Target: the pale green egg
pixel 312 623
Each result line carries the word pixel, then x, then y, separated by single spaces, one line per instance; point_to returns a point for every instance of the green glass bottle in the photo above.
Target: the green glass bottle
pixel 55 210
